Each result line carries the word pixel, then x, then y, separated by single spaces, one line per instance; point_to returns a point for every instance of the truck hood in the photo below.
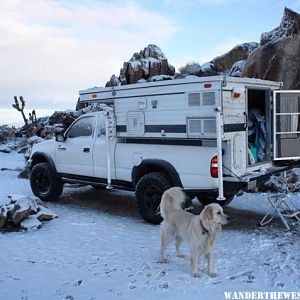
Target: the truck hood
pixel 48 147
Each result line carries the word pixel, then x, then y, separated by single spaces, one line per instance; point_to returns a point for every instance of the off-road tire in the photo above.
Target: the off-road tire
pixel 148 193
pixel 45 183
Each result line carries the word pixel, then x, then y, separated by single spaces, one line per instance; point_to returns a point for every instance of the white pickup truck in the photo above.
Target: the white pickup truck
pixel 190 133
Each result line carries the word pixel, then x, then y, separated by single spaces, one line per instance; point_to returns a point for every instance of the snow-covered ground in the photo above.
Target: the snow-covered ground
pixel 99 248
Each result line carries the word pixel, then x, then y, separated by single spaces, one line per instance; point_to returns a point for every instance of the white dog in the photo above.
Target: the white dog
pixel 200 231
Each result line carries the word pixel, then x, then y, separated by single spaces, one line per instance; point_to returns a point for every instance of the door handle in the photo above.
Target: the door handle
pixel 61 148
pixel 86 150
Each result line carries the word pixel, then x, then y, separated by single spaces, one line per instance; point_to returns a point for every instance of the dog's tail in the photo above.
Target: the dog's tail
pixel 171 199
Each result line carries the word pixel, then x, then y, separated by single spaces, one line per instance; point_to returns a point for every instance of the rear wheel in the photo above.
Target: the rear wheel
pixel 44 182
pixel 149 190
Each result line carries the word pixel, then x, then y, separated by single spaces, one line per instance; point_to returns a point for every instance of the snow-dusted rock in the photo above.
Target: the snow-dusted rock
pixel 145 64
pixel 31 223
pixel 3 216
pixel 279 183
pixel 237 68
pixel 21 211
pixel 5 149
pixel 289 26
pixel 45 214
pixel 23 149
pixel 224 63
pixel 34 206
pixel 160 78
pixel 278 58
pixel 5 201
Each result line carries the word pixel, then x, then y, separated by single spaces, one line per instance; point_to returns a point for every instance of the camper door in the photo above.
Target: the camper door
pixel 286 124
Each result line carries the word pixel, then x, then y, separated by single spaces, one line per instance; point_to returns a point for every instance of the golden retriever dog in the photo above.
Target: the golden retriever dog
pixel 199 231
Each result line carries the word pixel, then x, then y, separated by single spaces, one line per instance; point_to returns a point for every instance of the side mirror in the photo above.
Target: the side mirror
pixel 59 137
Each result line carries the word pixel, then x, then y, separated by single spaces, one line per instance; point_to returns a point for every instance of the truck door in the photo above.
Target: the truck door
pixel 74 155
pixel 286 124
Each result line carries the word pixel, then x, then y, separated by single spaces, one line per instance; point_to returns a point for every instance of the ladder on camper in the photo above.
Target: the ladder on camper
pixel 282 206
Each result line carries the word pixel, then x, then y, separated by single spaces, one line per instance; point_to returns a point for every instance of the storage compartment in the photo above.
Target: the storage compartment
pixel 259 126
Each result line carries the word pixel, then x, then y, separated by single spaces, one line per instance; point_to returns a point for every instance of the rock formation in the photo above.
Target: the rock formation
pixel 223 64
pixel 278 57
pixel 145 65
pixel 20 211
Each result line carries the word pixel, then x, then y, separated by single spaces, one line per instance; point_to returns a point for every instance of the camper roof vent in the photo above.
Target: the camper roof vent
pixel 194 99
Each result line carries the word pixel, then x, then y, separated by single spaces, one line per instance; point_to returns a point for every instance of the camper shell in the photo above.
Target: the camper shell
pixel 211 112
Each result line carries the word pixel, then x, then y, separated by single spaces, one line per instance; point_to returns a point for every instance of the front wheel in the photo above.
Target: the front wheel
pixel 44 182
pixel 148 193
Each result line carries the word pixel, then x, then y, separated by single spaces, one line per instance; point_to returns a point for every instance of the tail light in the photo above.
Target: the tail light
pixel 214 167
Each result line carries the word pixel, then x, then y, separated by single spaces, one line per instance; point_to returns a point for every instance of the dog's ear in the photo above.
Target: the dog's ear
pixel 209 212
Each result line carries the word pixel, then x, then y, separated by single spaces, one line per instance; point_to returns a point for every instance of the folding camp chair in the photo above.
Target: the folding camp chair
pixel 283 207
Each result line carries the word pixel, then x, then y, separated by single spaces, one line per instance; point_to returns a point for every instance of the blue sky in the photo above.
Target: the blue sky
pixel 50 49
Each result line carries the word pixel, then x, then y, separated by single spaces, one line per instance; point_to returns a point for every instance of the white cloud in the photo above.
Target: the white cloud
pixel 48 51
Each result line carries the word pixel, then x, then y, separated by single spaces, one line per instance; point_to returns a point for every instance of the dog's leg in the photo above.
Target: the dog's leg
pixel 178 241
pixel 210 267
pixel 166 235
pixel 194 263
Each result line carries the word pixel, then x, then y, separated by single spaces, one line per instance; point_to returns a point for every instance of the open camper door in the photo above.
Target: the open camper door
pixel 286 124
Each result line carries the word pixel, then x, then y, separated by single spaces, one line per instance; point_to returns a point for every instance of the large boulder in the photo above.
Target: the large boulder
pixel 143 65
pixel 278 57
pixel 224 63
pixel 230 63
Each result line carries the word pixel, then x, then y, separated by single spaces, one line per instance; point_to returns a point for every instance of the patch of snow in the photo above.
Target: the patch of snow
pixel 35 139
pixel 207 66
pixel 31 223
pixel 191 77
pixel 237 68
pixel 5 148
pixel 100 248
pixel 160 78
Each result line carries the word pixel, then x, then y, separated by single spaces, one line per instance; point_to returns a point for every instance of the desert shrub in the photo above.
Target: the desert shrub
pixel 6 132
pixel 191 68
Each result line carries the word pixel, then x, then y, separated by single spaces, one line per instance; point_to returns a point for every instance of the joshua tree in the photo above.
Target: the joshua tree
pixel 20 108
